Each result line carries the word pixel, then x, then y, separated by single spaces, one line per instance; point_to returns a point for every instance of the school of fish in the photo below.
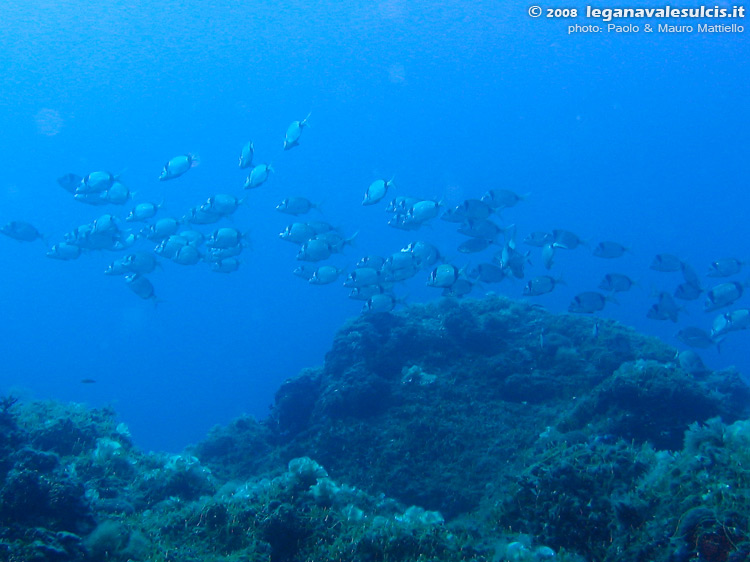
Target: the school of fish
pixel 185 241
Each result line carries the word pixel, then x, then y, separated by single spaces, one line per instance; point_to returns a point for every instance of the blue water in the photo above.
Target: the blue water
pixel 639 138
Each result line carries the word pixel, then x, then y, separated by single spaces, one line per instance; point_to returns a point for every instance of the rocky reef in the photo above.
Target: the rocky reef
pixel 484 430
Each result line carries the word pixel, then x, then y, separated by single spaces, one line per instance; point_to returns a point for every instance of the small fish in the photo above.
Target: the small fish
pixel 199 215
pixel 140 262
pixel 690 362
pixel 224 238
pixel 161 229
pixel 141 286
pixel 401 274
pixel 223 204
pixel 566 240
pixel 178 165
pixel 384 302
pixel 95 199
pixel 610 250
pixel 548 256
pixel 372 262
pixel 512 260
pixel 246 155
pixel 402 222
pixel 725 267
pixel 194 237
pixel 105 224
pixel 687 292
pixel 400 260
pixel 298 233
pixel 70 182
pixel 690 276
pixel 426 254
pixel 87 381
pixel 723 295
pixel 443 276
pixel 460 288
pixel 21 231
pixel 169 247
pixel 296 206
pixel 400 205
pixel 64 251
pixel 325 274
pixel 376 191
pixel 304 271
pixel 258 175
pixel 368 291
pixel 502 198
pixel 214 255
pixel 363 277
pixel 470 209
pixel 117 194
pixel 588 302
pixel 616 282
pixel 541 285
pixel 538 239
pixel 730 322
pixel 481 229
pixel 96 182
pixel 665 308
pixel 666 262
pixel 487 273
pixel 187 255
pixel 294 132
pixel 695 337
pixel 423 211
pixel 314 250
pixel 143 212
pixel 228 265
pixel 474 245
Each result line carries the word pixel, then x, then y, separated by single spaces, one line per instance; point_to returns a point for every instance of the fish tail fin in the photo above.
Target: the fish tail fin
pixel 194 160
pixel 304 122
pixel 318 206
pixel 350 241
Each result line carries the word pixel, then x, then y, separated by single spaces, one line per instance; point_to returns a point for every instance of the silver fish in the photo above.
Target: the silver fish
pixel 695 337
pixel 141 286
pixel 246 155
pixel 224 238
pixel 258 175
pixel 222 204
pixel 325 274
pixel 187 255
pixel 609 250
pixel 228 265
pixel 723 295
pixel 363 277
pixel 384 302
pixel 143 212
pixel 376 191
pixel 588 302
pixel 725 267
pixel 294 132
pixel 566 240
pixel 177 166
pixel 444 275
pixel 502 198
pixel 64 251
pixel 541 285
pixel 296 206
pixel 690 362
pixel 687 292
pixel 21 231
pixel 314 250
pixel 616 282
pixel 666 263
pixel 538 239
pixel 665 308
